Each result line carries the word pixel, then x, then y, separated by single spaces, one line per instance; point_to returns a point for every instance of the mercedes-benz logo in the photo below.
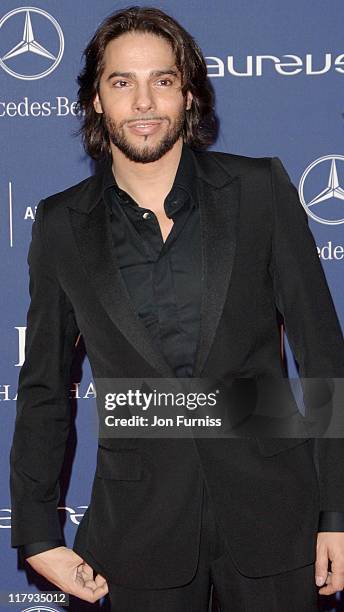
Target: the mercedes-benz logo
pixel 29 43
pixel 316 205
pixel 39 608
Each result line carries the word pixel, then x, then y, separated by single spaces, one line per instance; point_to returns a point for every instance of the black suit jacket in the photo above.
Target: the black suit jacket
pixel 142 526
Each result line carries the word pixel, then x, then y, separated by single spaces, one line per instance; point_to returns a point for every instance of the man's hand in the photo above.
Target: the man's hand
pixel 70 573
pixel 330 547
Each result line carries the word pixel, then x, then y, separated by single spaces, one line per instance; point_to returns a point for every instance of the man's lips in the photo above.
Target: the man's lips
pixel 145 127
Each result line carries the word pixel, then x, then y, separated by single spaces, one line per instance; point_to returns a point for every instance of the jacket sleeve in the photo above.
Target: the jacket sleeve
pixel 38 547
pixel 303 298
pixel 43 415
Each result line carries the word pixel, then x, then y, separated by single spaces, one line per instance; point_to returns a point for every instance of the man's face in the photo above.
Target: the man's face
pixel 140 96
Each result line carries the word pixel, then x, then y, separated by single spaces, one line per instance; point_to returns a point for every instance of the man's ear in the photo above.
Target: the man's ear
pixel 97 104
pixel 189 98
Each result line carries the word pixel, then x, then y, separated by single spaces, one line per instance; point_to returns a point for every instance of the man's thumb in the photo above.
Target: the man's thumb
pixel 321 571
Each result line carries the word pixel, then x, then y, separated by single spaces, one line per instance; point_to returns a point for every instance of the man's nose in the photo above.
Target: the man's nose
pixel 143 99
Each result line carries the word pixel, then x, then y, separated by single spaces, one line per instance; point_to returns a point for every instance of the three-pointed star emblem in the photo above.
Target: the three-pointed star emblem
pixel 333 189
pixel 28 43
pixel 31 35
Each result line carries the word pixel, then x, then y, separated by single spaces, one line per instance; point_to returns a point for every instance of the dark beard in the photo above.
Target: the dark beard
pixel 145 154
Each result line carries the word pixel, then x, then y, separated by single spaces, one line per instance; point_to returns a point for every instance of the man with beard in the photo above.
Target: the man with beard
pixel 148 261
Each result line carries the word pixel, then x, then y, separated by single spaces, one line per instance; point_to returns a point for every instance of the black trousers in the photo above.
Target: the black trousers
pixel 218 587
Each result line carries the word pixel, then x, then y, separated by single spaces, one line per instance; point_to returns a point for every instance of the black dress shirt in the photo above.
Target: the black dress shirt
pixel 163 280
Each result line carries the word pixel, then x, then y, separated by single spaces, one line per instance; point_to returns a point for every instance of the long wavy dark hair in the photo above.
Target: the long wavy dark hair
pixel 200 124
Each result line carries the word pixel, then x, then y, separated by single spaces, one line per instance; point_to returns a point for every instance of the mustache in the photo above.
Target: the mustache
pixel 143 119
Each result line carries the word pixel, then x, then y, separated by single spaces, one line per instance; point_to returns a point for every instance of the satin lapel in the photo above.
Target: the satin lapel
pixel 219 208
pixel 92 233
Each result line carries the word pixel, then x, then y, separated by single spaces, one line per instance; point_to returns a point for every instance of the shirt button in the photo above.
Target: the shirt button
pixel 146 215
pixel 123 196
pixel 172 206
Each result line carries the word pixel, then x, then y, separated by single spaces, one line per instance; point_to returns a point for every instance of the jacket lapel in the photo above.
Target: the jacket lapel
pixel 219 217
pixel 92 233
pixel 218 195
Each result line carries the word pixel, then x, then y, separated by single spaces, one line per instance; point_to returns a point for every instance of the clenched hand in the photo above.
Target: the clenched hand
pixel 70 573
pixel 330 547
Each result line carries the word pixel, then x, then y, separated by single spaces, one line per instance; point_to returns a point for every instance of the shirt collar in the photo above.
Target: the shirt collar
pixel 183 188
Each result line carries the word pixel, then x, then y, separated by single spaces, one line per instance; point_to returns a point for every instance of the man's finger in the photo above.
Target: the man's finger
pixel 334 583
pixel 85 571
pixel 91 584
pixel 101 591
pixel 83 592
pixel 321 567
pixel 84 579
pixel 87 568
pixel 100 580
pixel 90 590
pixel 337 574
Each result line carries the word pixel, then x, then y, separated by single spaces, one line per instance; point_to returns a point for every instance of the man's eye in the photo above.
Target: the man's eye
pixel 119 83
pixel 165 81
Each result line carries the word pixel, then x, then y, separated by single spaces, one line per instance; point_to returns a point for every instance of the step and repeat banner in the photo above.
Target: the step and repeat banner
pixel 277 69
